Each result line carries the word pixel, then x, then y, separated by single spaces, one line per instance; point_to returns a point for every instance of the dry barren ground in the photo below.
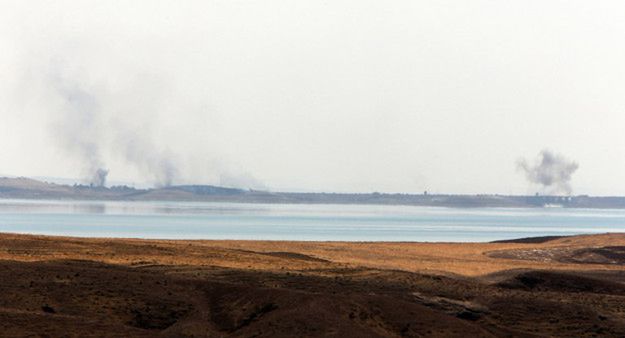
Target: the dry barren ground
pixel 59 286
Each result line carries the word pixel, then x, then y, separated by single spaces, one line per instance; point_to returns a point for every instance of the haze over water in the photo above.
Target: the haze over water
pixel 198 220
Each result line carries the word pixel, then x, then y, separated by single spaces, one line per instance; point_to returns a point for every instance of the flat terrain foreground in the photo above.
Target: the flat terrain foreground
pixel 61 286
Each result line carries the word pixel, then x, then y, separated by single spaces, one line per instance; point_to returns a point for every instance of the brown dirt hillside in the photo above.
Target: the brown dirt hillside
pixel 61 286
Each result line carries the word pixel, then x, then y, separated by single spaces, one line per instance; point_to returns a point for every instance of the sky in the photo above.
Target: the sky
pixel 346 96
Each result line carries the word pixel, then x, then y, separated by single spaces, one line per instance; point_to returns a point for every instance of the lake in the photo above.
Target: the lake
pixel 200 220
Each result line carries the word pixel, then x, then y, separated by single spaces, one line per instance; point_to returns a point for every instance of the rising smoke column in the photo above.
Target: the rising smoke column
pixel 78 129
pixel 90 116
pixel 99 177
pixel 551 171
pixel 139 151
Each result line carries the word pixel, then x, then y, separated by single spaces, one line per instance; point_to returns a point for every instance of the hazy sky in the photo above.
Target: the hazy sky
pixel 397 96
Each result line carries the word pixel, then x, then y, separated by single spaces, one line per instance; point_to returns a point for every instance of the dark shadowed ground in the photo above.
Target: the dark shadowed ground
pixel 58 286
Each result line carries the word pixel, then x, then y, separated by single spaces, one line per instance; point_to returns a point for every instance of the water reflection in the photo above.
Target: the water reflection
pixel 96 208
pixel 129 207
pixel 296 221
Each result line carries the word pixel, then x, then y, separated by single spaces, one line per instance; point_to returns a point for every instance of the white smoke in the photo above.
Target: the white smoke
pixel 138 150
pixel 78 129
pixel 106 114
pixel 84 127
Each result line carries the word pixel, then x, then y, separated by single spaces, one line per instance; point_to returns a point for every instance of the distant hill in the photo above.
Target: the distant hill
pixel 27 188
pixel 22 187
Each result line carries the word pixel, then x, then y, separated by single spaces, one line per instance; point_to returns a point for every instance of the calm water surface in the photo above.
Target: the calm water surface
pixel 199 220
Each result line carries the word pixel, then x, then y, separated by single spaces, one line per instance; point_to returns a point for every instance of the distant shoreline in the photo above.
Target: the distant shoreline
pixel 30 189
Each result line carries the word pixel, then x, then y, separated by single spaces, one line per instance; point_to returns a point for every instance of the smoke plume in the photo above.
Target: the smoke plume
pixel 99 178
pixel 91 121
pixel 140 151
pixel 78 129
pixel 551 171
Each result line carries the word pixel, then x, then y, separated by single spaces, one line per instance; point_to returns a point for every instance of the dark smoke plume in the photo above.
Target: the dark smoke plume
pixel 99 178
pixel 551 171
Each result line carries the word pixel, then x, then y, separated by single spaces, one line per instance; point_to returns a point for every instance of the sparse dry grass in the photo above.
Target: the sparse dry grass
pixel 62 286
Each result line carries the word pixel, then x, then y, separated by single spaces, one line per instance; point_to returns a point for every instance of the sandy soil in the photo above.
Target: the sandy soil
pixel 61 286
